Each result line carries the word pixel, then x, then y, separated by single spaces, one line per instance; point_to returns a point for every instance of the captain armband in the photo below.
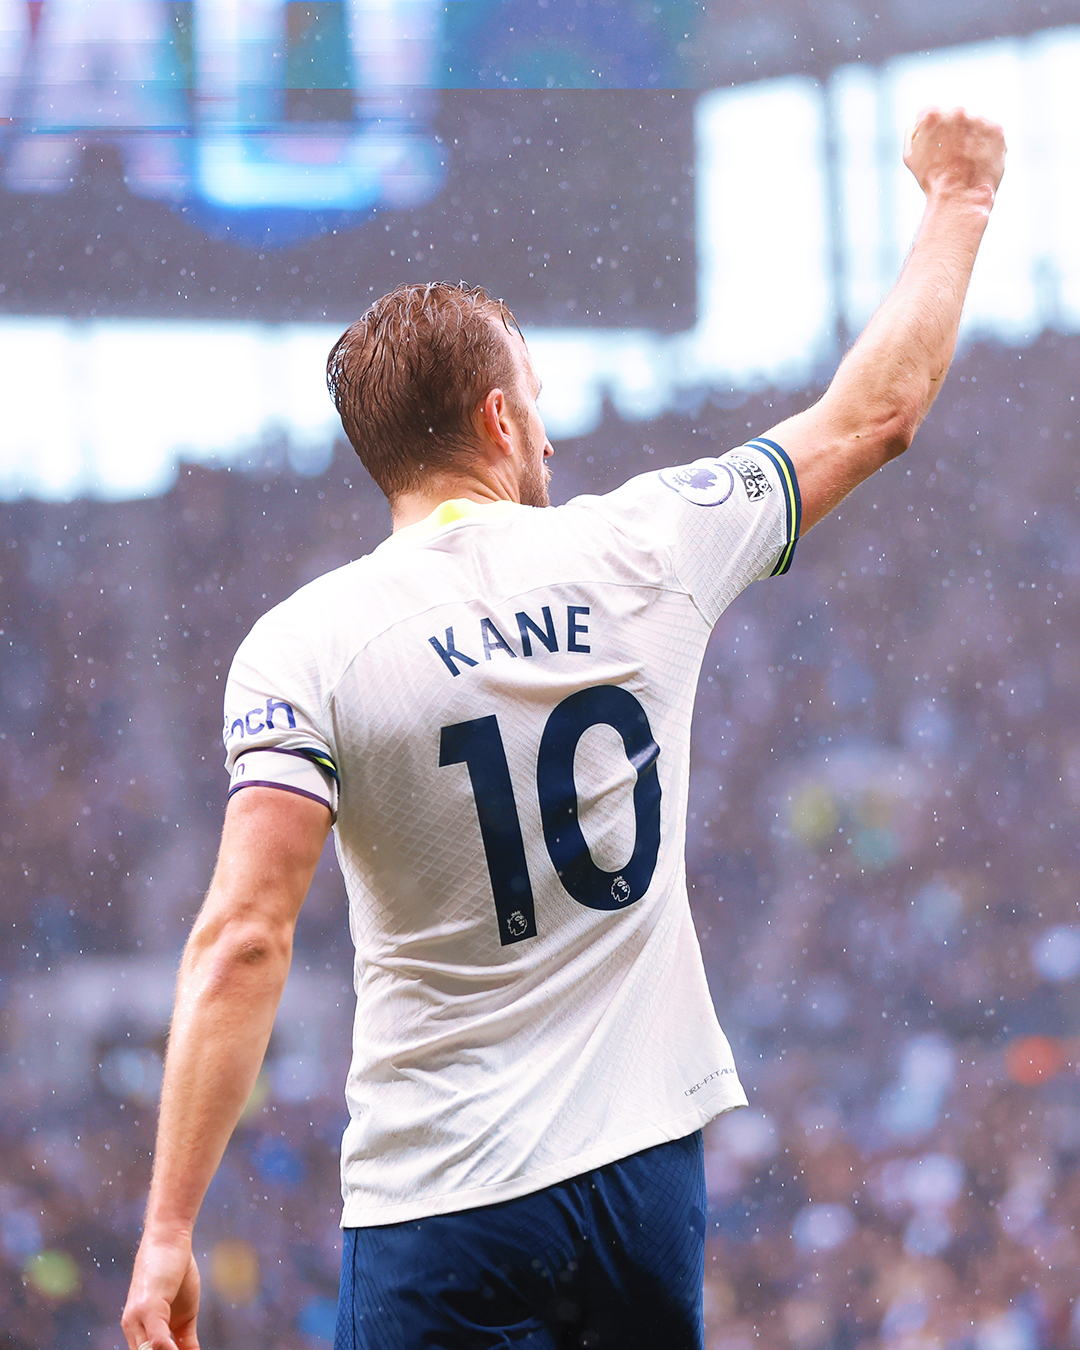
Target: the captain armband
pixel 308 773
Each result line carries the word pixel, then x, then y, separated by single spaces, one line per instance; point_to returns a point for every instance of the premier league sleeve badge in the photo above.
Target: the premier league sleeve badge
pixel 706 482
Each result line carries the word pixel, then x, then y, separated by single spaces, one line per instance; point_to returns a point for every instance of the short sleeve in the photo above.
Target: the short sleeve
pixel 274 727
pixel 723 521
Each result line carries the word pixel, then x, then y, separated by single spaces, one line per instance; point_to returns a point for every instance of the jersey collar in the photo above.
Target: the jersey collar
pixel 450 513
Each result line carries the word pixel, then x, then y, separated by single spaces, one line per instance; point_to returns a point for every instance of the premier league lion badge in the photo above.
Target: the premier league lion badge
pixel 706 482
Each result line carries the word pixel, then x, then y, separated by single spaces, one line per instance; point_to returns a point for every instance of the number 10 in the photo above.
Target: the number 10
pixel 479 745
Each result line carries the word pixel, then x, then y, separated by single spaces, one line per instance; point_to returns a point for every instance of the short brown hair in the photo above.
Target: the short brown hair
pixel 408 375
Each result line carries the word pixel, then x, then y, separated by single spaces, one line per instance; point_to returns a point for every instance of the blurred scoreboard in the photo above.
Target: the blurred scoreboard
pixel 249 105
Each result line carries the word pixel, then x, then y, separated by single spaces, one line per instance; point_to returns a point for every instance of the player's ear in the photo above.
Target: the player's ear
pixel 496 422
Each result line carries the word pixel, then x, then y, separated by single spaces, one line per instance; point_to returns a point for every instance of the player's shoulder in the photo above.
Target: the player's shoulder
pixel 305 628
pixel 749 482
pixel 328 620
pixel 314 601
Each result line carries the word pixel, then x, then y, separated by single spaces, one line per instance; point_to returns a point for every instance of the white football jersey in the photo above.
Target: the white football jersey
pixel 495 704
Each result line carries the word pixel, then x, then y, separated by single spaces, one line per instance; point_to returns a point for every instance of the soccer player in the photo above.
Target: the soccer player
pixel 493 711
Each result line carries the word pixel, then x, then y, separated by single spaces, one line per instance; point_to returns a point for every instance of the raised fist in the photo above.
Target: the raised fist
pixel 955 152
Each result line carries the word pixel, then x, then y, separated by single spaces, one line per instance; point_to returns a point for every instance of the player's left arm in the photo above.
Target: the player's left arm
pixel 886 384
pixel 233 972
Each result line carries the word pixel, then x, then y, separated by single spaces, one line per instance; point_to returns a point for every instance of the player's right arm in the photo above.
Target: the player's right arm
pixel 886 384
pixel 231 977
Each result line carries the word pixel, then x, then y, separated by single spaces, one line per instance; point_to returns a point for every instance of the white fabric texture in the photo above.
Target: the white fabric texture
pixel 504 695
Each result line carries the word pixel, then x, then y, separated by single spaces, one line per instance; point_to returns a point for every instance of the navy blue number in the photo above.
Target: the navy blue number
pixel 587 883
pixel 479 746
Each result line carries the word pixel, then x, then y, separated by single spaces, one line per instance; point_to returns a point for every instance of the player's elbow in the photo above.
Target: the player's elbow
pixel 230 950
pixel 254 948
pixel 894 430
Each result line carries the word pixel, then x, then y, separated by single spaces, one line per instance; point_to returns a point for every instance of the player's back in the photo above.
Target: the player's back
pixel 505 695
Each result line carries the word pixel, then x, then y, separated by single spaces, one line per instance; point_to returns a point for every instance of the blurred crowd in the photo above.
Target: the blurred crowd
pixel 882 855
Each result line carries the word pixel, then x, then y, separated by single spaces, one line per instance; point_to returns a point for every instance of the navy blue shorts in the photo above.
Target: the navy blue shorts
pixel 612 1259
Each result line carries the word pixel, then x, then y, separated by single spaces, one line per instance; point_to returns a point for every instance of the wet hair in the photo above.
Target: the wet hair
pixel 408 376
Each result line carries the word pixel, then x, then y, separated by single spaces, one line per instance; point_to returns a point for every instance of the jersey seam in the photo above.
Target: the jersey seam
pixel 665 549
pixel 469 599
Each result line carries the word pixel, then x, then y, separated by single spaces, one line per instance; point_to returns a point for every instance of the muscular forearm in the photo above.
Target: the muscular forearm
pixel 889 379
pixel 886 384
pixel 234 969
pixel 227 995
